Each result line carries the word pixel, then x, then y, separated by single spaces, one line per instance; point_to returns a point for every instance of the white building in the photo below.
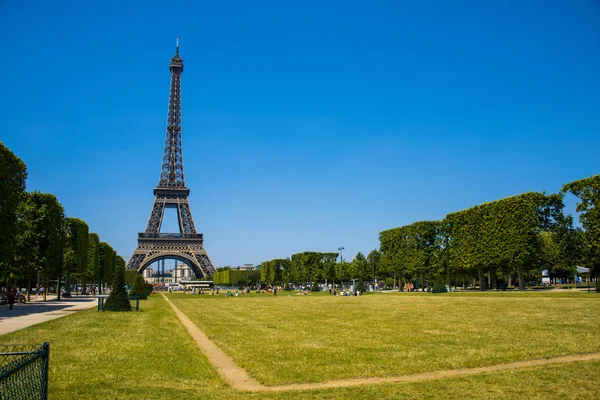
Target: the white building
pixel 180 272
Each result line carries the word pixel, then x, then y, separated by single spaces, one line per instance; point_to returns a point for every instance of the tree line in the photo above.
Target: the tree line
pixel 38 241
pixel 504 242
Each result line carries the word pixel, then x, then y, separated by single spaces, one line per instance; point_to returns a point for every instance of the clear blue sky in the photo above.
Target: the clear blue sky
pixel 306 125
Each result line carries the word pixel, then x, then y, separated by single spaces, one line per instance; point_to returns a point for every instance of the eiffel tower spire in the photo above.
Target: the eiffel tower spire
pixel 187 245
pixel 171 173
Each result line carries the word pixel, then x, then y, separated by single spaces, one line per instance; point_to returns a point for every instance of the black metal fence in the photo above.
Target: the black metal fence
pixel 24 371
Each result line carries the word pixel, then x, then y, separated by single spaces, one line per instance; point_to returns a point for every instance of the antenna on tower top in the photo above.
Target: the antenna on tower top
pixel 177 46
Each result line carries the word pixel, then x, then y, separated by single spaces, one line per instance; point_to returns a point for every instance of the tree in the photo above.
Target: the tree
pixel 92 269
pixel 117 299
pixel 76 248
pixel 374 260
pixel 40 235
pixel 588 207
pixel 504 232
pixel 360 267
pixel 139 287
pixel 13 174
pixel 107 262
pixel 411 248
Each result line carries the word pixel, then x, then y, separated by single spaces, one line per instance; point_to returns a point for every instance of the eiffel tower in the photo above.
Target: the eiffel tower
pixel 186 246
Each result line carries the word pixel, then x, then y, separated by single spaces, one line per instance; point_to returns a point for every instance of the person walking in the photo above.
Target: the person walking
pixel 11 293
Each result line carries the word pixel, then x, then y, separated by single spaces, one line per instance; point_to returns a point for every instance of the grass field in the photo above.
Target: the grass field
pixel 314 338
pixel 149 355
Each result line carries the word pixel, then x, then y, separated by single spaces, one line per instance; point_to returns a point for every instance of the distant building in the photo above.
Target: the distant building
pixel 246 267
pixel 180 272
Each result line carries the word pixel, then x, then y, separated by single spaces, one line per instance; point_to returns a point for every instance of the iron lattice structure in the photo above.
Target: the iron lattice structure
pixel 186 246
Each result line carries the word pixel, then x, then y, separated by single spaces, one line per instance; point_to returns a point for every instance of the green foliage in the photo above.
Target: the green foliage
pixel 13 174
pixel 315 287
pixel 389 283
pixel 412 248
pixel 287 287
pixel 40 230
pixel 75 253
pixel 139 286
pixel 92 271
pixel 131 276
pixel 236 277
pixel 361 286
pixel 360 267
pixel 343 271
pixel 374 260
pixel 107 262
pixel 588 192
pixel 311 265
pixel 117 299
pixel 503 232
pixel 439 286
pixel 275 271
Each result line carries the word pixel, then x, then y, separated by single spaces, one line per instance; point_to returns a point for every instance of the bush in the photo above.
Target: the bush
pixel 148 288
pixel 361 286
pixel 130 277
pixel 287 287
pixel 598 287
pixel 315 287
pixel 117 299
pixel 389 283
pixel 139 287
pixel 439 286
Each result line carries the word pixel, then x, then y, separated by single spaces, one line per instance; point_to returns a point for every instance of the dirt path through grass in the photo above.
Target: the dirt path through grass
pixel 239 379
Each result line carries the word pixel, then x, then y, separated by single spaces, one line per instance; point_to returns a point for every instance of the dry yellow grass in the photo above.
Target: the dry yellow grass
pixel 149 355
pixel 318 338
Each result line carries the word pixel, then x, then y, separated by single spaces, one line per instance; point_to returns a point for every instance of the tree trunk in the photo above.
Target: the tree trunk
pixel 482 285
pixel 493 279
pixel 509 280
pixel 521 277
pixel 47 288
pixel 29 286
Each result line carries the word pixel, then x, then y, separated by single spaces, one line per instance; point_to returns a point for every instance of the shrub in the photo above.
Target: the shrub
pixel 148 288
pixel 130 277
pixel 361 286
pixel 117 299
pixel 139 287
pixel 287 287
pixel 389 283
pixel 598 287
pixel 439 286
pixel 315 287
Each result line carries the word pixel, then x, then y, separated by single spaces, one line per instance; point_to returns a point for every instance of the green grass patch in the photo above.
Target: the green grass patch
pixel 114 355
pixel 289 339
pixel 149 355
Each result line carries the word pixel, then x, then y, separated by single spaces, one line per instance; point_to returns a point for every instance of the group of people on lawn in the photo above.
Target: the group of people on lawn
pixel 347 293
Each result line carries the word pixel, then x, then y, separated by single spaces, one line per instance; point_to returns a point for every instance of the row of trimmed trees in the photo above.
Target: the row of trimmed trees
pixel 39 242
pixel 502 242
pixel 314 267
pixel 512 238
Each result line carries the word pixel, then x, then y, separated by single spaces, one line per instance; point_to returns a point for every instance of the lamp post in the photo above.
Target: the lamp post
pixel 60 265
pixel 341 250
